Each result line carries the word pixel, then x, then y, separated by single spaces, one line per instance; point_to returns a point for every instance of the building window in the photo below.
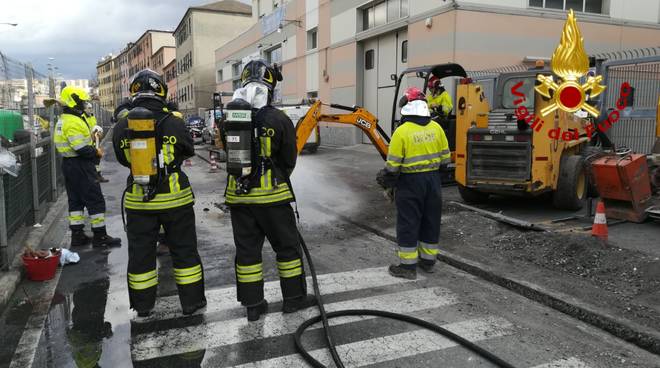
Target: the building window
pixel 274 55
pixel 404 51
pixel 383 12
pixel 236 70
pixel 584 6
pixel 312 39
pixel 312 94
pixel 369 60
pixel 236 84
pixel 218 77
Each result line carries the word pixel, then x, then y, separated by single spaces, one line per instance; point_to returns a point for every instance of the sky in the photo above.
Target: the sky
pixel 77 33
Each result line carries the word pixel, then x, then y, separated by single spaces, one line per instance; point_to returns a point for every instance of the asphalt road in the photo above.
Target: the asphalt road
pixel 82 318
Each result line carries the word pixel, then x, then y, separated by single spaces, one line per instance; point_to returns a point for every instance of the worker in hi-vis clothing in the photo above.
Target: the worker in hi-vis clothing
pixel 149 133
pixel 418 151
pixel 73 141
pixel 438 98
pixel 260 202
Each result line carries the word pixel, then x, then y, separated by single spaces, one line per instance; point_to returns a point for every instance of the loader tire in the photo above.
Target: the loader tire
pixel 591 153
pixel 472 196
pixel 572 185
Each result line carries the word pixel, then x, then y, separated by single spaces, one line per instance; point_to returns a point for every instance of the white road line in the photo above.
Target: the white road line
pixel 221 333
pixel 225 298
pixel 564 363
pixel 386 348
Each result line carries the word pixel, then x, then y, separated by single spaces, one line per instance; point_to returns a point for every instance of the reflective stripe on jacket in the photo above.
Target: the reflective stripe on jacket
pixel 278 148
pixel 71 134
pixel 416 148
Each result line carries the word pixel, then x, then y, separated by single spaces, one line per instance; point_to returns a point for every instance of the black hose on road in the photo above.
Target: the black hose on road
pixel 324 317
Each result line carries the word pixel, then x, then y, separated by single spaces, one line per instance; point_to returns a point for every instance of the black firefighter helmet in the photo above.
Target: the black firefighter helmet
pixel 259 71
pixel 147 83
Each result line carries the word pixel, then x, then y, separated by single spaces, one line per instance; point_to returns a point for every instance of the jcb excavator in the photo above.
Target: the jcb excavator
pixel 367 122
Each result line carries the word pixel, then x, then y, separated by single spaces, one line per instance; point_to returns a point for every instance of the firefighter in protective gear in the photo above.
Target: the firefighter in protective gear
pixel 97 133
pixel 438 98
pixel 418 151
pixel 166 201
pixel 73 141
pixel 264 210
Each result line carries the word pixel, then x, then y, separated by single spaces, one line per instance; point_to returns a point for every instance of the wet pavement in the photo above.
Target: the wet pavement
pixel 86 321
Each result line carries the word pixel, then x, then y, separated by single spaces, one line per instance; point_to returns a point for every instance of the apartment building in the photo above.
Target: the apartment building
pixel 344 51
pixel 169 74
pixel 140 55
pixel 162 57
pixel 105 74
pixel 202 30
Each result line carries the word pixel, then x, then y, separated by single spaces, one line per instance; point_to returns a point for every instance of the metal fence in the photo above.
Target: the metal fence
pixel 637 124
pixel 24 100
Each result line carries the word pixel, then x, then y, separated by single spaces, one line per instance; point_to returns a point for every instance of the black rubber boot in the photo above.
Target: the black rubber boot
pixel 296 304
pixel 101 179
pixel 102 239
pixel 402 272
pixel 79 238
pixel 426 267
pixel 188 310
pixel 144 313
pixel 254 312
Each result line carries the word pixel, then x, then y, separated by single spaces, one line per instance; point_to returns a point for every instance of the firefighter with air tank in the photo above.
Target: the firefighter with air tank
pixel 153 142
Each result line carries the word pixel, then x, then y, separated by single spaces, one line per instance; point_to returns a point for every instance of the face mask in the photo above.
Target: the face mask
pixel 254 93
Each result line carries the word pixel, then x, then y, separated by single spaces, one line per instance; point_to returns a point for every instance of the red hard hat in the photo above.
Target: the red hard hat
pixel 411 94
pixel 433 82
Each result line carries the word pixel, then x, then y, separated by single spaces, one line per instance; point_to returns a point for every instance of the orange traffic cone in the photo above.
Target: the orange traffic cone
pixel 599 228
pixel 214 165
pixel 187 163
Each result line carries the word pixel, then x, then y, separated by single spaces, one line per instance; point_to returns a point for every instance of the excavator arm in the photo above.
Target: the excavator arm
pixel 358 117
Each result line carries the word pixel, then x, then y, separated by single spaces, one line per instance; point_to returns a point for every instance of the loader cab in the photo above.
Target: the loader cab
pixel 419 77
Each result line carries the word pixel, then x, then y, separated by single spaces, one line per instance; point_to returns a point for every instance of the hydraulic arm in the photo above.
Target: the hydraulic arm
pixel 358 117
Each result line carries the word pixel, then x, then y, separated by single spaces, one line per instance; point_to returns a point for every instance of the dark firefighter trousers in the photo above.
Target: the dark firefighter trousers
pixel 83 191
pixel 251 224
pixel 142 233
pixel 419 208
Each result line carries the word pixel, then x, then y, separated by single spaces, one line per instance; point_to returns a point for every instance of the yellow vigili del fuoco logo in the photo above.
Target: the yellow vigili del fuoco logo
pixel 570 62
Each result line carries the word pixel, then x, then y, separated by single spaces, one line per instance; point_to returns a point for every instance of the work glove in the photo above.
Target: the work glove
pixel 386 179
pixel 97 130
pixel 99 152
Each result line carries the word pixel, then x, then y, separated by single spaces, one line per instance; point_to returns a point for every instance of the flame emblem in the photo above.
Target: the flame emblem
pixel 570 62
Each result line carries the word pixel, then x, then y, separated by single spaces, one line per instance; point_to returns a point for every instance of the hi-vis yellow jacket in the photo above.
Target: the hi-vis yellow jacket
pixel 417 145
pixel 442 100
pixel 72 134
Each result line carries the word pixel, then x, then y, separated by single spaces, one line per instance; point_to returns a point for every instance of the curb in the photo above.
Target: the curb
pixel 629 331
pixel 9 280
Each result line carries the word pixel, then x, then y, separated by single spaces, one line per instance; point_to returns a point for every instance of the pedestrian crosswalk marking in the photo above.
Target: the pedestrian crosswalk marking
pixel 225 298
pixel 564 363
pixel 402 345
pixel 221 333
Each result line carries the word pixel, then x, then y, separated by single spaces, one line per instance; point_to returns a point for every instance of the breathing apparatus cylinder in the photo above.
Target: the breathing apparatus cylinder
pixel 142 136
pixel 240 134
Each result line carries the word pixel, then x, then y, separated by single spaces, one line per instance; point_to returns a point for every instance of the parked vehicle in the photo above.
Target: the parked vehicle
pixel 195 126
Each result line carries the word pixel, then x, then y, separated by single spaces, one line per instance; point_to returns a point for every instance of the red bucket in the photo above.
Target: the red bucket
pixel 41 269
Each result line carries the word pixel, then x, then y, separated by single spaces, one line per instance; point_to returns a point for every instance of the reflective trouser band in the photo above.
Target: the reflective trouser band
pixel 141 281
pixel 153 205
pixel 249 273
pixel 428 251
pixel 290 269
pixel 408 255
pixel 185 276
pixel 76 218
pixel 97 220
